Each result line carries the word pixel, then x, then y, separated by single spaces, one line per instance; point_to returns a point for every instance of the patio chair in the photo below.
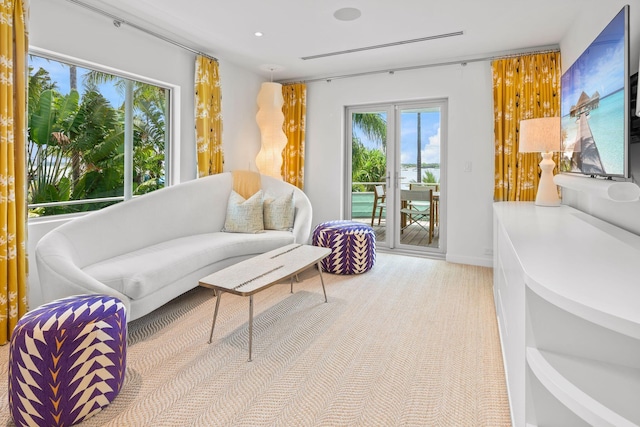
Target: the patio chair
pixel 435 198
pixel 379 203
pixel 417 208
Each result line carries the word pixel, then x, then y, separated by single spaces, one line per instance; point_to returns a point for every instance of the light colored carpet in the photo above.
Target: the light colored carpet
pixel 413 342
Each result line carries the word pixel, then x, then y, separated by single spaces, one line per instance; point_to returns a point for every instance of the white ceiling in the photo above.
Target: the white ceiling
pixel 297 28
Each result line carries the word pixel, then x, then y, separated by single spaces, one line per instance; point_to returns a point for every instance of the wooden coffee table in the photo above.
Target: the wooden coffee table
pixel 253 275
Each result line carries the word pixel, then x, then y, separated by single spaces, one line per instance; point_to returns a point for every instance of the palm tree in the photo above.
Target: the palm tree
pixel 98 137
pixel 373 126
pixel 368 165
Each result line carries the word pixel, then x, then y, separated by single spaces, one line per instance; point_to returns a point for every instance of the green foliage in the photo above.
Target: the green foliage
pixel 429 177
pixel 372 168
pixel 149 141
pixel 51 114
pixel 358 153
pixel 49 146
pixel 41 121
pixel 368 164
pixel 148 186
pixel 39 81
pixel 99 183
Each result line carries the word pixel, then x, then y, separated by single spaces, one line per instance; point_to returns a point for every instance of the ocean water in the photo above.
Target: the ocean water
pixel 607 126
pixel 409 175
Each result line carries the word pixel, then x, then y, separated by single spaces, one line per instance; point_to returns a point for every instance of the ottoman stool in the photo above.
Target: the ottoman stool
pixel 67 360
pixel 352 244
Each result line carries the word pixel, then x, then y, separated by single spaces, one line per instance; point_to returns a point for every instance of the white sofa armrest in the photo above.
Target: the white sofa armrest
pixel 61 277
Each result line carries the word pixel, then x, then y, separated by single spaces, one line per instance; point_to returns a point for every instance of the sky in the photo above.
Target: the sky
pixel 59 73
pixel 430 137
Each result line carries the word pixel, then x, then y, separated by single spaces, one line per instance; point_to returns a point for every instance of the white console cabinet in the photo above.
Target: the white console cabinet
pixel 567 295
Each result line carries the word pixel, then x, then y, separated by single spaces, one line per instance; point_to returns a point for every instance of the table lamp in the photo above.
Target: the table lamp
pixel 542 135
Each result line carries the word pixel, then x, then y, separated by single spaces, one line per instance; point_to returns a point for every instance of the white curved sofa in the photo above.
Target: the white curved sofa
pixel 151 249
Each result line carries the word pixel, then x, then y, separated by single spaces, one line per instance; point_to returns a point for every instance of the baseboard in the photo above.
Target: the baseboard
pixel 480 261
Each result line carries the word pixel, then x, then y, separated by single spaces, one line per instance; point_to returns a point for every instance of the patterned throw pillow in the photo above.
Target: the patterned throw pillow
pixel 279 212
pixel 244 216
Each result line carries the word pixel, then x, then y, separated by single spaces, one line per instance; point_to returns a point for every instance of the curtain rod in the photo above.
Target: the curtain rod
pixel 463 62
pixel 117 21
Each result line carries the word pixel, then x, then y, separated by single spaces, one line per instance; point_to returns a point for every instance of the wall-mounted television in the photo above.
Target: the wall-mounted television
pixel 596 110
pixel 634 120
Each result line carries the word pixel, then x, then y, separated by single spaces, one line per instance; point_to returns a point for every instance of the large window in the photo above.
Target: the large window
pixel 95 138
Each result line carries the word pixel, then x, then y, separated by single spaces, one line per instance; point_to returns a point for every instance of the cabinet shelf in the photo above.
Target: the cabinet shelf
pixel 600 393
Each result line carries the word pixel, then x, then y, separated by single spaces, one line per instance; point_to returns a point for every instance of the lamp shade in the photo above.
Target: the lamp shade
pixel 540 135
pixel 270 119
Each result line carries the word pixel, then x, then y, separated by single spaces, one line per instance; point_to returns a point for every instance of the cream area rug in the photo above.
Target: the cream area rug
pixel 413 342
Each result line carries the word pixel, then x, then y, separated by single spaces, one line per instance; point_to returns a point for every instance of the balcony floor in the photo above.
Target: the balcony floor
pixel 412 235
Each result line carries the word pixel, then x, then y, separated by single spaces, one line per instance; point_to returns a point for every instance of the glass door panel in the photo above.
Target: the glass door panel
pixel 368 155
pixel 419 176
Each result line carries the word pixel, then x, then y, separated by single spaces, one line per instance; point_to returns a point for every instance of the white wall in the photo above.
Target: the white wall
pixel 63 28
pixel 469 195
pixel 582 32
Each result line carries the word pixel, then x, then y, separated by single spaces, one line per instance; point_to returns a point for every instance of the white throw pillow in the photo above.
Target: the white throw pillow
pixel 279 212
pixel 244 216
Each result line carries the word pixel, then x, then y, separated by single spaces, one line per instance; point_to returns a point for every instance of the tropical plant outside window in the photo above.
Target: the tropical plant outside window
pixel 93 145
pixel 368 165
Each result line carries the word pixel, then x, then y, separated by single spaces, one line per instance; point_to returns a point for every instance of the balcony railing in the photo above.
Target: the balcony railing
pixel 362 201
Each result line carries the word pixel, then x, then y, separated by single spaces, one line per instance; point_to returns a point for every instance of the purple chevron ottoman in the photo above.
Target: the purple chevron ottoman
pixel 67 360
pixel 352 244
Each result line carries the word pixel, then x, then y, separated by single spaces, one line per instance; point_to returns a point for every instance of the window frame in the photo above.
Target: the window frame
pixel 172 148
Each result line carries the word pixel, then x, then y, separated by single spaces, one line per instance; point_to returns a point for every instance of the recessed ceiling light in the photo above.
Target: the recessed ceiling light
pixel 258 34
pixel 347 14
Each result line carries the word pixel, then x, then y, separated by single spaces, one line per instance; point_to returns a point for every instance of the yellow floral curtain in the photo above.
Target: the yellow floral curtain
pixel 208 115
pixel 524 87
pixel 13 216
pixel 295 112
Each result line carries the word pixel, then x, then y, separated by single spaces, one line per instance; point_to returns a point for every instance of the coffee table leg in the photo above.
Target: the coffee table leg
pixel 291 284
pixel 215 314
pixel 322 281
pixel 250 324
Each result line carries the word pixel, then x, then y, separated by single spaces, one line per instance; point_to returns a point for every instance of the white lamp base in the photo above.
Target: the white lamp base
pixel 547 191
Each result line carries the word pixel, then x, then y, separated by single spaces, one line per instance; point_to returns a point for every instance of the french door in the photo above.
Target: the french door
pixel 395 175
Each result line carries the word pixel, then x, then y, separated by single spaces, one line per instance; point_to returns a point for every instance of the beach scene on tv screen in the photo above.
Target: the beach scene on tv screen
pixel 593 106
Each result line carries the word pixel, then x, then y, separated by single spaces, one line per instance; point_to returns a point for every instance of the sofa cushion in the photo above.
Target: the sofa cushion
pixel 244 216
pixel 279 212
pixel 142 272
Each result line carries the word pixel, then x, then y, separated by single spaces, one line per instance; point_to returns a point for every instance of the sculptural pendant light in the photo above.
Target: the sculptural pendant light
pixel 270 120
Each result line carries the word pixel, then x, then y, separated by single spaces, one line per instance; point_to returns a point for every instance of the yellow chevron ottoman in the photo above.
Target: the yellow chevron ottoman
pixel 67 360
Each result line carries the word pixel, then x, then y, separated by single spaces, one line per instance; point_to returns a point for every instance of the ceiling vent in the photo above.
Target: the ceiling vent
pixel 380 46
